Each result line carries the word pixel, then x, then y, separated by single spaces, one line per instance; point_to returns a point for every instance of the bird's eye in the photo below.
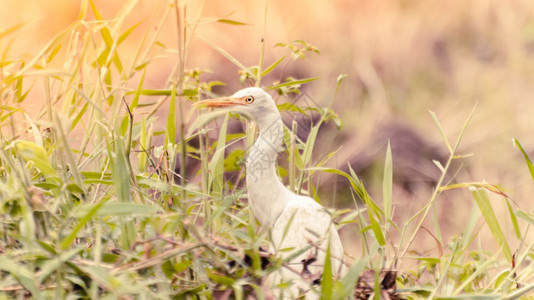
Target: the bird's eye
pixel 249 99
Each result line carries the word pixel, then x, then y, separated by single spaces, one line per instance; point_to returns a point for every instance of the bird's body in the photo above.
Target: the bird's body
pixel 295 221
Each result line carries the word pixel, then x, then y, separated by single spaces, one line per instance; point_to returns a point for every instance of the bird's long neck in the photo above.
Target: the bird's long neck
pixel 267 195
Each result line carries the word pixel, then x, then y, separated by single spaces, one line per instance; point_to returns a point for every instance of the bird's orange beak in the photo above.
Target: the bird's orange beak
pixel 219 102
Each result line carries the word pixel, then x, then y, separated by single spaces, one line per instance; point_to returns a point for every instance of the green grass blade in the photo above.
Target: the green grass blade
pixel 308 148
pixel 348 282
pixel 271 67
pixel 527 158
pixel 120 172
pixel 53 264
pixel 7 31
pixel 231 22
pixel 110 209
pixel 135 100
pixel 127 33
pixel 216 165
pixel 143 145
pixel 488 213
pixel 79 116
pixel 170 133
pixel 327 282
pixel 292 83
pixel 225 54
pixel 464 128
pixel 67 241
pixel 21 273
pixel 513 217
pixel 31 152
pixel 441 131
pixel 523 290
pixel 373 211
pixel 206 118
pixel 523 215
pixel 387 184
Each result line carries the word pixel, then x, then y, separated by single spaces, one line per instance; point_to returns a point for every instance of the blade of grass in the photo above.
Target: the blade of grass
pixel 53 264
pixel 272 67
pixel 170 132
pixel 67 241
pixel 225 54
pixel 441 131
pixel 21 274
pixel 292 82
pixel 488 213
pixel 514 220
pixel 216 165
pixel 387 186
pixel 527 158
pixel 142 157
pixel 327 282
pixel 423 212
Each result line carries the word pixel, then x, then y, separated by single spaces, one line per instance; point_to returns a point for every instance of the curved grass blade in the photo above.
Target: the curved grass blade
pixel 482 200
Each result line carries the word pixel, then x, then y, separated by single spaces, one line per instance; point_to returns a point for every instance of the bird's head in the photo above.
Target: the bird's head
pixel 252 102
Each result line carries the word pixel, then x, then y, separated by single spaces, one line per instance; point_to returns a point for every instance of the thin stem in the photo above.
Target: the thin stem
pixel 180 25
pixel 292 156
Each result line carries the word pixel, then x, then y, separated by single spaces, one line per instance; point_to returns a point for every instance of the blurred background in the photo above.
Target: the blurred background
pixel 403 59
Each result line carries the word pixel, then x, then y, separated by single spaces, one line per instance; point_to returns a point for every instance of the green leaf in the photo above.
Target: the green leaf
pixel 127 33
pixel 488 213
pixel 216 165
pixel 79 116
pixel 290 107
pixel 501 279
pixel 170 133
pixel 271 67
pixel 348 282
pixel 152 92
pixel 115 209
pixel 143 146
pixel 53 264
pixel 163 186
pixel 387 184
pixel 298 160
pixel 120 171
pixel 7 31
pixel 102 275
pixel 86 217
pixel 135 100
pixel 231 22
pixel 373 210
pixel 221 279
pixel 21 274
pixel 206 118
pixel 308 148
pixel 523 215
pixel 225 54
pixel 514 220
pixel 441 131
pixel 31 152
pixel 292 83
pixel 527 158
pixel 222 207
pixel 327 282
pixel 234 161
pixel 53 53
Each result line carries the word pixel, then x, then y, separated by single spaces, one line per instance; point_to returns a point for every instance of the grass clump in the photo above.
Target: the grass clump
pixel 101 199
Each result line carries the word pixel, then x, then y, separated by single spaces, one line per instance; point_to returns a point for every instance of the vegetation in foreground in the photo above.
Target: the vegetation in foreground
pixel 98 202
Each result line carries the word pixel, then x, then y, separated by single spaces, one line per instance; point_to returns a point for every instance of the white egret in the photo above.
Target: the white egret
pixel 295 221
